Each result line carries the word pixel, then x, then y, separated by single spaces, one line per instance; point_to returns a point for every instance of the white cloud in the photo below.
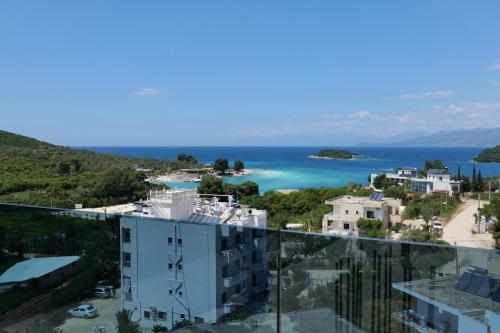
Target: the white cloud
pixel 429 95
pixel 149 92
pixel 496 65
pixel 431 119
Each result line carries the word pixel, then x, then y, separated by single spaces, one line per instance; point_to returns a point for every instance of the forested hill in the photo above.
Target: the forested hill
pixel 36 172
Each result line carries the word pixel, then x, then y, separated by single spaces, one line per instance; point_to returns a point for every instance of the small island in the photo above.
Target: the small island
pixel 334 154
pixel 489 155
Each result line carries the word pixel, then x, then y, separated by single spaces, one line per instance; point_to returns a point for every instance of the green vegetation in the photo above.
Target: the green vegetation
pixel 490 155
pixel 428 164
pixel 370 228
pixel 181 157
pixel 424 235
pixel 305 206
pixel 492 210
pixel 221 165
pixel 238 166
pixel 42 231
pixel 428 206
pixel 125 324
pixel 39 173
pixel 334 153
pixel 211 184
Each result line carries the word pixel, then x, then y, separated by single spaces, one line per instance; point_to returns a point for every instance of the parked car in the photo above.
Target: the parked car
pixel 84 311
pixel 438 226
pixel 104 283
pixel 103 292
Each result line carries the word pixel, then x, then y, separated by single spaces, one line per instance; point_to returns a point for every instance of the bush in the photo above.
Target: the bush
pixel 159 328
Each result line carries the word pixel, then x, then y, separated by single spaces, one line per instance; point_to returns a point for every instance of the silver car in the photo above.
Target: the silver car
pixel 84 311
pixel 103 292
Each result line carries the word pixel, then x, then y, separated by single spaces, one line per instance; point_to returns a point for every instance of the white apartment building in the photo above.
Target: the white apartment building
pixel 436 180
pixel 199 263
pixel 348 209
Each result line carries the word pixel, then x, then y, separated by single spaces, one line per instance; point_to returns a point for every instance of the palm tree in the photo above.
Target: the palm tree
pixel 124 323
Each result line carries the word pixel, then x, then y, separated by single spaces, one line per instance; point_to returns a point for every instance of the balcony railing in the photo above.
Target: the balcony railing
pixel 308 282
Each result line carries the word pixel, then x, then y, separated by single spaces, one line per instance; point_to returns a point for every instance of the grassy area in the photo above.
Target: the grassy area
pixel 428 206
pixel 16 296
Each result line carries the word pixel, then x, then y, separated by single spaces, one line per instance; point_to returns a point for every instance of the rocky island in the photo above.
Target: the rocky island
pixel 489 155
pixel 334 154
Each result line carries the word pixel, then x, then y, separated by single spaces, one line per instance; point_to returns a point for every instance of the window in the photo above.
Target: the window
pixel 127 259
pixel 357 212
pixel 346 226
pixel 179 241
pixel 199 320
pixel 346 212
pixel 162 315
pixel 182 316
pixel 179 293
pixel 179 267
pixel 254 280
pixel 170 266
pixel 254 257
pixel 147 315
pixel 223 244
pixel 237 289
pixel 170 240
pixel 224 297
pixel 370 214
pixel 170 292
pixel 238 239
pixel 126 235
pixel 225 271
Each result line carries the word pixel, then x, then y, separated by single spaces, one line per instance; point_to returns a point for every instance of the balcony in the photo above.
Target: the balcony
pixel 325 282
pixel 236 278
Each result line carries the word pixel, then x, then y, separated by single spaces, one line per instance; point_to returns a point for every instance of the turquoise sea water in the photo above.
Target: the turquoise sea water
pixel 291 167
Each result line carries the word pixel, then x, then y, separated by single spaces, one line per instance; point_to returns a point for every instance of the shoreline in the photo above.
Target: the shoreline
pixel 179 177
pixel 330 158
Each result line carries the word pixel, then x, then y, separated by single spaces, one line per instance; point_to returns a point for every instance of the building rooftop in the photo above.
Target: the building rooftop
pixel 437 172
pixel 35 268
pixel 352 200
pixel 442 292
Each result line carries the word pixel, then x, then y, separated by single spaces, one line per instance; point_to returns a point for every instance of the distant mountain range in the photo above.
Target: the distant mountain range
pixel 478 137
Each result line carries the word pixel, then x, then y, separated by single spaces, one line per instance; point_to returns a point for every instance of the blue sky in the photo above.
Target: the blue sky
pixel 246 73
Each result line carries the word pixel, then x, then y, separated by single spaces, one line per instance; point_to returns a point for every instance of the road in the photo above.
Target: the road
pixel 459 228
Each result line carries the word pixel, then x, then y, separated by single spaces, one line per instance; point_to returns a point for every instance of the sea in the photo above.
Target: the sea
pixel 292 167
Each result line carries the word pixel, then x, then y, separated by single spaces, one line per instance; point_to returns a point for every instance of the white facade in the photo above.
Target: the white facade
pixel 346 210
pixel 435 181
pixel 198 270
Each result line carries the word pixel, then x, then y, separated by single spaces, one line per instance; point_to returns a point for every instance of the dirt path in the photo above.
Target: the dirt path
pixel 459 229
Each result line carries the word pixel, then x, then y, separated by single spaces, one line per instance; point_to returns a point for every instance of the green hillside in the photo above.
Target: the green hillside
pixel 39 173
pixel 335 154
pixel 490 155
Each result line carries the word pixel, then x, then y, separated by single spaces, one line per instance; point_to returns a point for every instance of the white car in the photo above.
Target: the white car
pixel 438 226
pixel 84 311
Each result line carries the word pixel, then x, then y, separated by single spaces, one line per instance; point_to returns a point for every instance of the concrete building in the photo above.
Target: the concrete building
pixel 348 209
pixel 436 180
pixel 199 263
pixel 44 272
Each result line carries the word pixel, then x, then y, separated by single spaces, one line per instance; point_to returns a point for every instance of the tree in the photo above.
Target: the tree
pixel 473 184
pixel 380 181
pixel 124 322
pixel 248 188
pixel 479 182
pixel 238 166
pixel 370 227
pixel 221 165
pixel 181 157
pixel 64 168
pixel 210 184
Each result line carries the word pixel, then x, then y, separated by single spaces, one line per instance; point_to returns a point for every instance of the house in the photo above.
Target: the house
pixel 43 272
pixel 435 181
pixel 202 261
pixel 347 209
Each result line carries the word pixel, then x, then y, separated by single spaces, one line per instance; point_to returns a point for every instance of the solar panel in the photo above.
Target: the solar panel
pixel 377 196
pixel 200 218
pixel 496 295
pixel 463 282
pixel 486 287
pixel 474 284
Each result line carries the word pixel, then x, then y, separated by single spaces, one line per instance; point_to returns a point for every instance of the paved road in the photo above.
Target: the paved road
pixel 459 228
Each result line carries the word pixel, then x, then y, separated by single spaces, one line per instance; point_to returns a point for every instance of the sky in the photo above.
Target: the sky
pixel 167 73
